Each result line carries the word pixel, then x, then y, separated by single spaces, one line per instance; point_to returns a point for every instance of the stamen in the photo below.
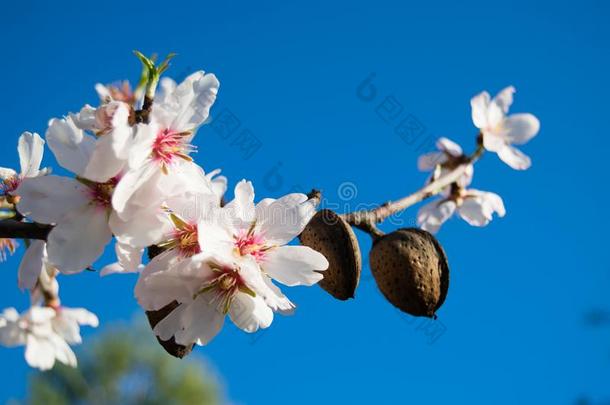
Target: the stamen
pixel 184 237
pixel 170 145
pixel 224 287
pixel 250 243
pixel 101 193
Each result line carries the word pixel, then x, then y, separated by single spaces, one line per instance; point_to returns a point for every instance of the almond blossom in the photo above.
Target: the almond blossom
pixel 45 332
pixel 261 232
pixel 100 154
pixel 500 131
pixel 448 157
pixel 79 208
pixel 207 289
pixel 162 147
pixel 473 206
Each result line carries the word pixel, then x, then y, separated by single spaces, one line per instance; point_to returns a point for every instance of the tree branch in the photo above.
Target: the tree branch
pixel 366 219
pixel 10 228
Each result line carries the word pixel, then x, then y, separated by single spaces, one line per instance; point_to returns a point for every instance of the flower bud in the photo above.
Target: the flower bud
pixel 411 270
pixel 330 235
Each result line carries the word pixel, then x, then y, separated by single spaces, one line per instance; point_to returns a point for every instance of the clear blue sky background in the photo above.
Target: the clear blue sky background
pixel 289 72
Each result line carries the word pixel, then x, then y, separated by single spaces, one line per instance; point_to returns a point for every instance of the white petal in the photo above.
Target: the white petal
pixel 189 104
pixel 146 227
pixel 493 142
pixel 31 148
pixel 428 161
pixel 166 88
pixel 67 328
pixel 448 146
pixel 219 183
pixel 129 260
pixel 41 315
pixel 504 98
pixel 63 353
pixel 79 239
pixel 472 211
pixel 141 147
pixel 122 134
pixel 103 164
pixel 197 321
pixel 294 265
pixel 167 278
pixel 432 215
pixel 111 149
pixel 7 173
pixel 186 177
pixel 31 265
pixel 520 128
pixel 242 205
pixel 480 105
pixel 85 119
pixel 514 158
pixel 282 220
pixel 39 353
pixel 279 302
pixel 81 316
pixel 143 181
pixel 48 199
pixel 495 203
pixel 250 313
pixel 70 145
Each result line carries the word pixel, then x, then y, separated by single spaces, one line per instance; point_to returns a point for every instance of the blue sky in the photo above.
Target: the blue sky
pixel 514 330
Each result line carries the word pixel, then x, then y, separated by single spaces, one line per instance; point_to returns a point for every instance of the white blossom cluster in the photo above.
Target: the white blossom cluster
pixel 498 133
pixel 134 183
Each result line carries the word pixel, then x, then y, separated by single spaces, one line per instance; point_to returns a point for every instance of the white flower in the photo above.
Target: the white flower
pixel 172 227
pixel 81 211
pixel 261 232
pixel 207 288
pixel 500 131
pixel 96 158
pixel 163 147
pixel 473 206
pixel 46 333
pixel 449 156
pixel 31 149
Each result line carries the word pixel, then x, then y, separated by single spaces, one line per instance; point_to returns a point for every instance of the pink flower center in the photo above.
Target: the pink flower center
pixel 187 240
pixel 100 194
pixel 250 243
pixel 170 145
pixel 184 237
pixel 224 286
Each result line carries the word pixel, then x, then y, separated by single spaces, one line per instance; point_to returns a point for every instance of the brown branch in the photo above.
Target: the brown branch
pixel 143 116
pixel 366 220
pixel 10 228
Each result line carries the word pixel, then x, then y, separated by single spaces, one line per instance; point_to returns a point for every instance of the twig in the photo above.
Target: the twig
pixel 10 228
pixel 366 220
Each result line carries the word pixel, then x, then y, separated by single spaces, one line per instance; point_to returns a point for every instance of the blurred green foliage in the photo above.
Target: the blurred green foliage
pixel 124 365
